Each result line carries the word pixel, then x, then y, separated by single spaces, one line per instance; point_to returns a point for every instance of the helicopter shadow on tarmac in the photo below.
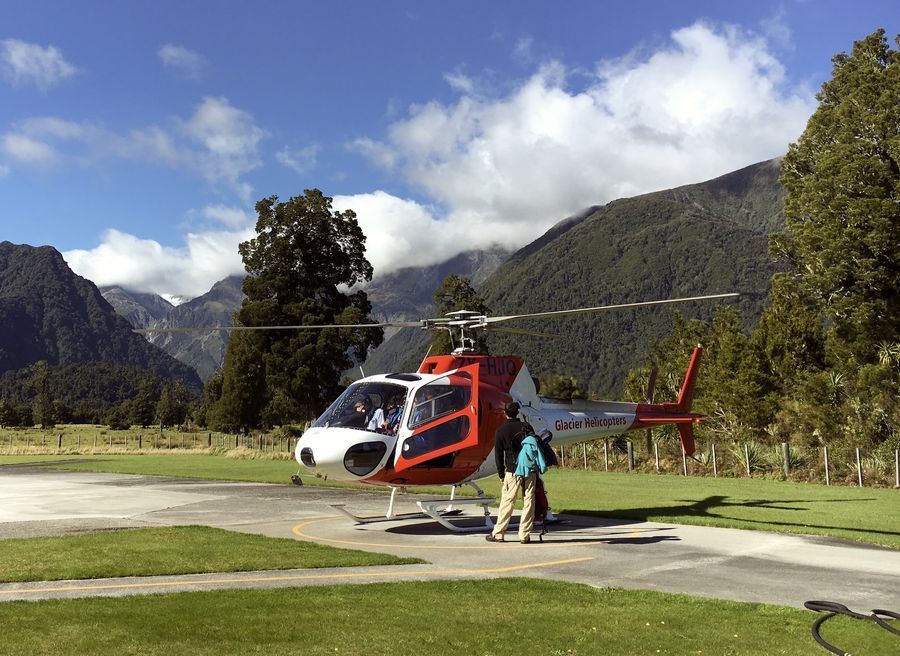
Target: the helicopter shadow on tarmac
pixel 716 507
pixel 565 531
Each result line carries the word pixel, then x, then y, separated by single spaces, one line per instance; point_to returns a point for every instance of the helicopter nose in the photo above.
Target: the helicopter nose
pixel 346 454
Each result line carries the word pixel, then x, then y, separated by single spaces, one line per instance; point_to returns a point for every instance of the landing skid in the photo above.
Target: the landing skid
pixel 372 519
pixel 437 509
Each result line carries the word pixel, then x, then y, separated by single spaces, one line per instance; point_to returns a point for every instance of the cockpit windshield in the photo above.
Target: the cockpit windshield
pixel 373 406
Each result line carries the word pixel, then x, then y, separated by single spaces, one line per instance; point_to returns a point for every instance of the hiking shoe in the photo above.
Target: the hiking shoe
pixel 525 540
pixel 490 537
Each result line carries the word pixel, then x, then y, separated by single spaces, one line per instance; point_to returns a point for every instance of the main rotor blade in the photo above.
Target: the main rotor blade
pixel 601 308
pixel 209 329
pixel 516 331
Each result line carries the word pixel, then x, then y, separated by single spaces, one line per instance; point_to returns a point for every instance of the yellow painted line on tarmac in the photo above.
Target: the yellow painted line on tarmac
pixel 293 577
pixel 298 531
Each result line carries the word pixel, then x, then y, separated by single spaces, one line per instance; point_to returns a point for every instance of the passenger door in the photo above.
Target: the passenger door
pixel 444 418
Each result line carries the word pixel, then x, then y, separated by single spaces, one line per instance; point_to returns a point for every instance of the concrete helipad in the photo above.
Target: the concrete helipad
pixel 713 562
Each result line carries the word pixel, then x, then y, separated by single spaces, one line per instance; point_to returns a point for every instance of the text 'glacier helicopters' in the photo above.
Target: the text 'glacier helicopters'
pixel 436 426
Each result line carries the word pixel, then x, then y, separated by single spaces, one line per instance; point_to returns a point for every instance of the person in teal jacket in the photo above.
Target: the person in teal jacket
pixel 531 460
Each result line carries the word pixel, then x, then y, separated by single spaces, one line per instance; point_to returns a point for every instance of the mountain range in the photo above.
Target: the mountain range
pixel 696 239
pixel 48 313
pixel 203 352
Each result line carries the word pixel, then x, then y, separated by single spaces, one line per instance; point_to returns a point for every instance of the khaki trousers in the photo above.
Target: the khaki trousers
pixel 511 486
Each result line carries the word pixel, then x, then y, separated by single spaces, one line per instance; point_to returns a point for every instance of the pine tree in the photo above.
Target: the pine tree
pixel 456 293
pixel 842 205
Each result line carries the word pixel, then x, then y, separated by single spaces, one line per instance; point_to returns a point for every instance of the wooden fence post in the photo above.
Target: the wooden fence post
pixel 747 459
pixel 786 459
pixel 859 467
pixel 715 464
pixel 630 448
pixel 656 454
pixel 606 455
pixel 827 471
pixel 684 459
pixel 896 467
pixel 584 453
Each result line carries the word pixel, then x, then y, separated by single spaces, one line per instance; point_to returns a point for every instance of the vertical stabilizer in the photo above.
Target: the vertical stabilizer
pixel 686 433
pixel 686 396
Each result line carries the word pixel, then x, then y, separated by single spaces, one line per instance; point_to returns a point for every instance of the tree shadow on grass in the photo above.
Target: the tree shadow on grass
pixel 715 508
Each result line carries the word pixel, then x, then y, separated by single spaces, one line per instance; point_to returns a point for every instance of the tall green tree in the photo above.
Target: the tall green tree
pixel 456 293
pixel 842 205
pixel 43 398
pixel 143 406
pixel 171 409
pixel 303 254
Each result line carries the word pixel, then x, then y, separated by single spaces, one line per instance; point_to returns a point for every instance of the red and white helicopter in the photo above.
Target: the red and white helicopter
pixel 447 412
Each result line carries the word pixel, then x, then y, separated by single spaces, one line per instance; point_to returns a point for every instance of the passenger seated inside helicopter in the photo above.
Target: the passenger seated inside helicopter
pixel 361 406
pixel 438 399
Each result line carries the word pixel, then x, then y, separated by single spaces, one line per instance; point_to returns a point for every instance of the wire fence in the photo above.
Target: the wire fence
pixel 24 442
pixel 829 465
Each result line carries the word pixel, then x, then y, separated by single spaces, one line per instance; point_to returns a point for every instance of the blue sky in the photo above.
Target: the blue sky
pixel 136 137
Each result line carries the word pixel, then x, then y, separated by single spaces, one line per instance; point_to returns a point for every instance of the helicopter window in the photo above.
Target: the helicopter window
pixel 407 377
pixel 440 397
pixel 360 403
pixel 442 435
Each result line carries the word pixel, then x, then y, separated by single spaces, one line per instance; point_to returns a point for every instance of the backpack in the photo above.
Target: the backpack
pixel 547 450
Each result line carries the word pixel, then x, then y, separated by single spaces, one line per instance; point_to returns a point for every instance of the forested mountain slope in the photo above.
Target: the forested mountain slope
pixel 49 313
pixel 693 240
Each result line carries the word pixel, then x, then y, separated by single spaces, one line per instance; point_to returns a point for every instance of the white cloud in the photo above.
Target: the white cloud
pixel 300 160
pixel 232 217
pixel 777 30
pixel 184 61
pixel 29 151
pixel 25 64
pixel 228 140
pixel 379 153
pixel 522 50
pixel 144 265
pixel 460 82
pixel 710 101
pixel 218 142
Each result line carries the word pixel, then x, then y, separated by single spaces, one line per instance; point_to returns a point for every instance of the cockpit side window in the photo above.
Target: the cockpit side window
pixel 440 397
pixel 365 406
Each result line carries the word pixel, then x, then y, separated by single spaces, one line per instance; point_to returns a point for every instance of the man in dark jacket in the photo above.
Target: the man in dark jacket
pixel 507 444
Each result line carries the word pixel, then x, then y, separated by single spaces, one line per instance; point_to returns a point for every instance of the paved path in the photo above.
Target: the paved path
pixel 713 562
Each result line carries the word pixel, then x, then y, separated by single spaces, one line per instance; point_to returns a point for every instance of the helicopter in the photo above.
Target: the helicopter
pixel 443 416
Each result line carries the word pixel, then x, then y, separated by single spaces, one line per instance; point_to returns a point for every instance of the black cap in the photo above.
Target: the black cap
pixel 512 409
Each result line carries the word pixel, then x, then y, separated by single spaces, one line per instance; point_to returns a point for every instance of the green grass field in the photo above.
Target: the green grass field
pixel 172 550
pixel 503 616
pixel 861 514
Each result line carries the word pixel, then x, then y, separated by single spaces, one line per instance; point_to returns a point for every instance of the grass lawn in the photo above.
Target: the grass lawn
pixel 173 550
pixel 861 514
pixel 504 616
